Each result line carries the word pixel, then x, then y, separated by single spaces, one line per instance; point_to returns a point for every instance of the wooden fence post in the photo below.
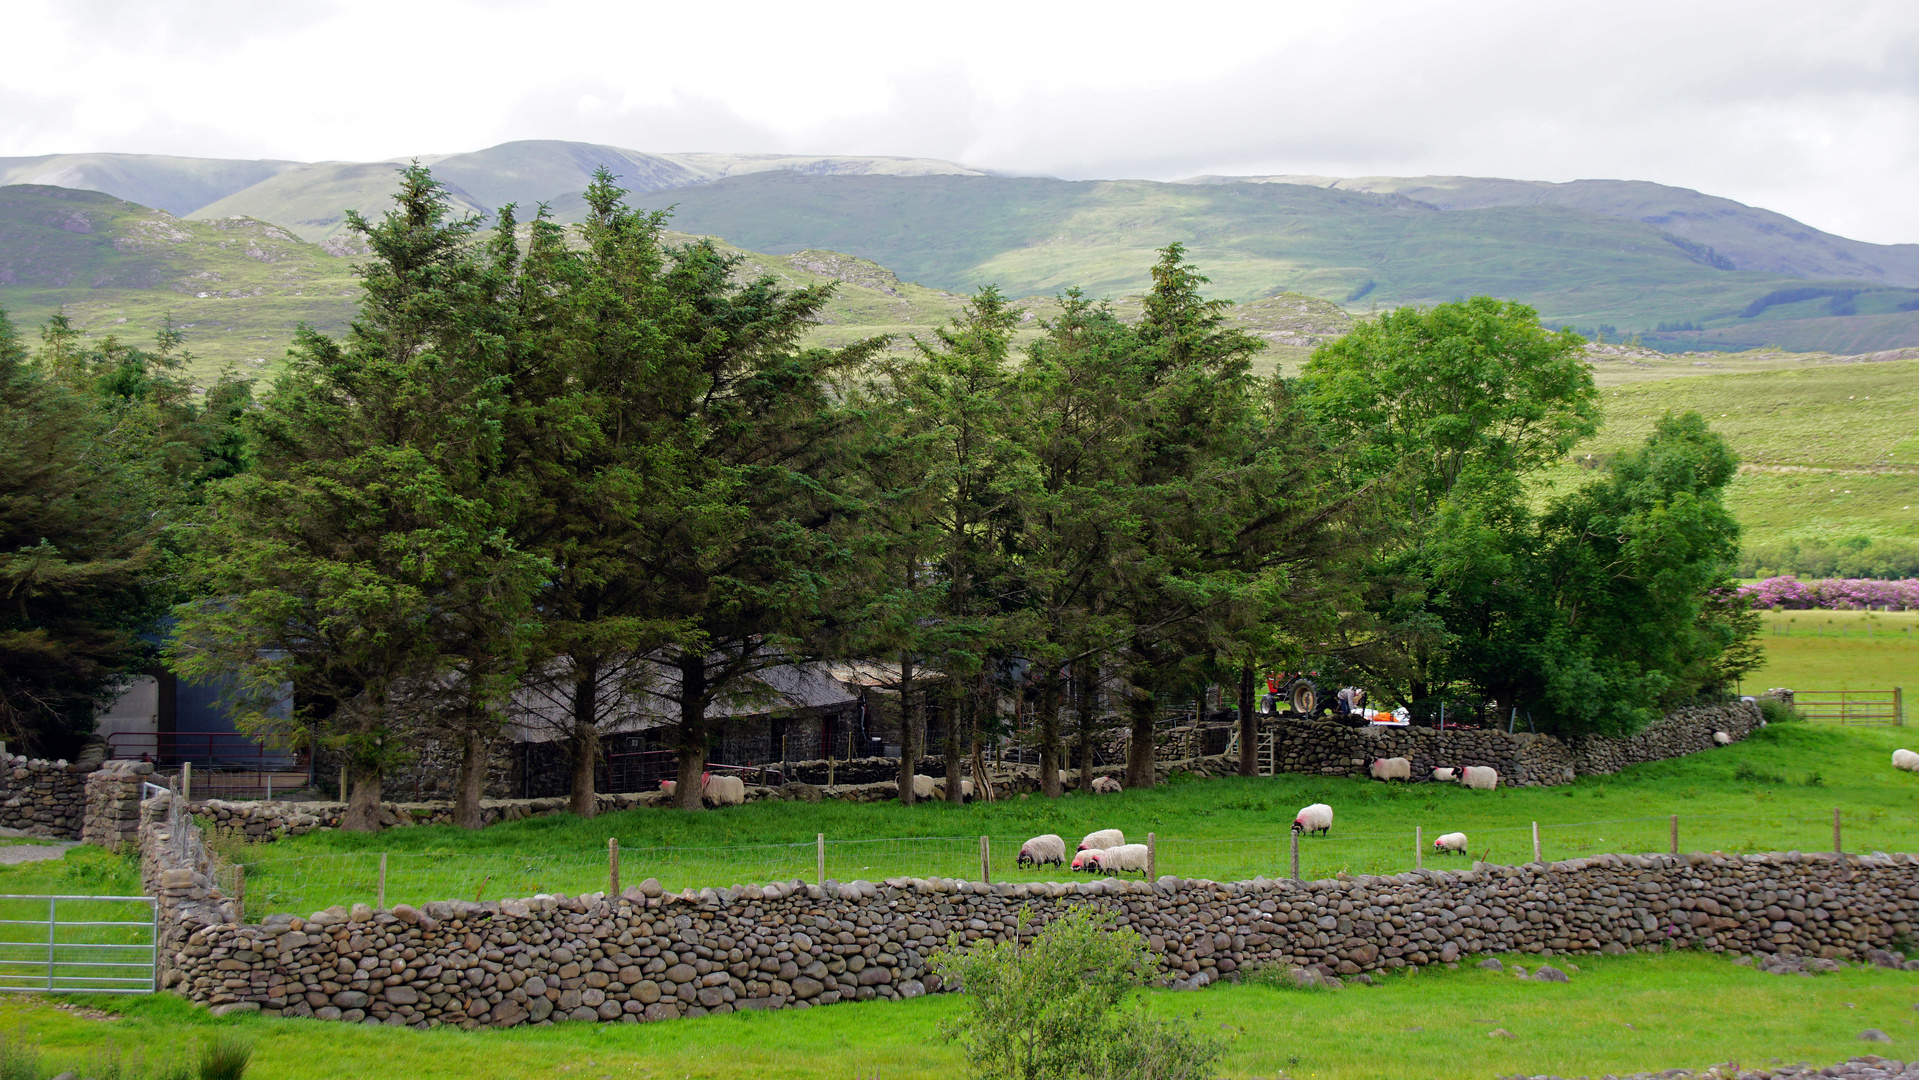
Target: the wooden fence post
pixel 1295 854
pixel 819 848
pixel 380 905
pixel 186 781
pixel 1152 857
pixel 612 867
pixel 985 860
pixel 1837 847
pixel 1536 857
pixel 1419 847
pixel 1675 834
pixel 1899 706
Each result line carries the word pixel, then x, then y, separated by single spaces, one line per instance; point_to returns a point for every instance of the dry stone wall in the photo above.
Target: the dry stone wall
pixel 112 809
pixel 1523 759
pixel 45 798
pixel 650 955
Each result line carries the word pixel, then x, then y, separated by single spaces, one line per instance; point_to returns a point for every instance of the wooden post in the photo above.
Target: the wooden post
pixel 1837 847
pixel 1419 847
pixel 1152 858
pixel 343 794
pixel 1295 854
pixel 1536 842
pixel 186 781
pixel 269 787
pixel 612 867
pixel 1675 834
pixel 829 768
pixel 985 860
pixel 381 905
pixel 819 848
pixel 240 889
pixel 1898 706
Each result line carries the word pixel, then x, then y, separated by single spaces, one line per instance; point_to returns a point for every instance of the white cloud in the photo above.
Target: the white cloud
pixel 1809 110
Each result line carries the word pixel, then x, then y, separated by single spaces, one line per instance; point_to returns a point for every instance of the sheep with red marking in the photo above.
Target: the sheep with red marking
pixel 1101 840
pixel 1047 848
pixel 1392 768
pixel 1317 818
pixel 1454 842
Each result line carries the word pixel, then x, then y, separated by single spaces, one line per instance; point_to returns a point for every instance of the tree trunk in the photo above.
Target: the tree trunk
pixel 1139 746
pixel 1086 686
pixel 475 748
pixel 1048 731
pixel 956 727
pixel 584 738
pixel 363 805
pixel 690 738
pixel 1248 725
pixel 909 754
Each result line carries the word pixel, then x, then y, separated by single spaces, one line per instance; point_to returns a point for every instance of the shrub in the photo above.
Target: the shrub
pixel 1776 712
pixel 1043 1009
pixel 224 1059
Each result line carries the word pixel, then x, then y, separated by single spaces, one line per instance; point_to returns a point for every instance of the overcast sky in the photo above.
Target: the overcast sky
pixel 1808 109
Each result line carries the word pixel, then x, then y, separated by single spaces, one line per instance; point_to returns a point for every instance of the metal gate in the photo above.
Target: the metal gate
pixel 78 944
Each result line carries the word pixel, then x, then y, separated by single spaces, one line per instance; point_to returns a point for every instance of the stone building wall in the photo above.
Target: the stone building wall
pixel 648 955
pixel 45 798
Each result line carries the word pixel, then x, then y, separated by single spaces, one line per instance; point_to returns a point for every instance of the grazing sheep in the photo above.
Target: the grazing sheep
pixel 1123 858
pixel 1088 860
pixel 923 786
pixel 1905 759
pixel 668 786
pixel 1105 785
pixel 1722 738
pixel 1445 776
pixel 1480 777
pixel 1101 840
pixel 1392 768
pixel 1315 818
pixel 1452 841
pixel 723 790
pixel 1049 848
pixel 939 790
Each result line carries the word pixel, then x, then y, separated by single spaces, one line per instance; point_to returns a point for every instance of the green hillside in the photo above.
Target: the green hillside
pixel 1034 237
pixel 237 287
pixel 175 184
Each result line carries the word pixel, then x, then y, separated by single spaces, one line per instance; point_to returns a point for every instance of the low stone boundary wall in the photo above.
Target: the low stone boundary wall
pixel 648 955
pixel 1678 733
pixel 45 798
pixel 112 815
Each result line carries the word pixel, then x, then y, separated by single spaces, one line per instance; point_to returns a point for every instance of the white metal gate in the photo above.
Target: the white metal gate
pixel 78 944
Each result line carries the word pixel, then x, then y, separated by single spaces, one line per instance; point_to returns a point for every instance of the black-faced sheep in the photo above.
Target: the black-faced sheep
pixel 1317 818
pixel 1452 841
pixel 1101 840
pixel 1049 848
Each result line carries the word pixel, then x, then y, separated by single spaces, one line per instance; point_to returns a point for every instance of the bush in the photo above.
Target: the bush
pixel 224 1059
pixel 1043 1009
pixel 1775 711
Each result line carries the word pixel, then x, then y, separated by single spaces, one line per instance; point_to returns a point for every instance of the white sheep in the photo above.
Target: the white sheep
pixel 1101 840
pixel 1452 841
pixel 1722 738
pixel 1392 768
pixel 1445 776
pixel 1123 858
pixel 1087 859
pixel 1479 777
pixel 1105 785
pixel 1315 818
pixel 939 790
pixel 1905 759
pixel 1049 848
pixel 723 790
pixel 923 786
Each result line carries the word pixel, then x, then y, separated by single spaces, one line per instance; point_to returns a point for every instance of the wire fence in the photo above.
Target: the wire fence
pixel 300 884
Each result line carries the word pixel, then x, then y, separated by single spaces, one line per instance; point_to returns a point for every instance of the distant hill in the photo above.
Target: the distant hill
pixel 175 184
pixel 1601 272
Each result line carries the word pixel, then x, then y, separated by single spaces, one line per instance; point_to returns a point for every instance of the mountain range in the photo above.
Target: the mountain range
pixel 1673 268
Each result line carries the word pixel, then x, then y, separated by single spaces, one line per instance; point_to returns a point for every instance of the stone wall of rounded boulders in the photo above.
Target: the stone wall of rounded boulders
pixel 111 817
pixel 653 955
pixel 1523 759
pixel 45 798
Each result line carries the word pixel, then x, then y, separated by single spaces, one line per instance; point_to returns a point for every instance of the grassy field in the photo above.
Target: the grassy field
pixel 1841 650
pixel 1773 792
pixel 1616 1015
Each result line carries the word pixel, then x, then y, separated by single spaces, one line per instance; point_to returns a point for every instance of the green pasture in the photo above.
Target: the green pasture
pixel 1776 791
pixel 1841 650
pixel 1618 1014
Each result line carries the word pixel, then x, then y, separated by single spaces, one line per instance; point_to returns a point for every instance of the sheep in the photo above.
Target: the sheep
pixel 668 786
pixel 1105 785
pixel 1392 768
pixel 1315 818
pixel 1120 859
pixel 1480 777
pixel 1905 759
pixel 938 790
pixel 1452 841
pixel 1101 840
pixel 1088 860
pixel 1722 738
pixel 923 786
pixel 1445 776
pixel 723 790
pixel 1049 848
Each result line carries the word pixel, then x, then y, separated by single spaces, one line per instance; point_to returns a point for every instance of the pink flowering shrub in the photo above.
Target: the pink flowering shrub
pixel 1843 593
